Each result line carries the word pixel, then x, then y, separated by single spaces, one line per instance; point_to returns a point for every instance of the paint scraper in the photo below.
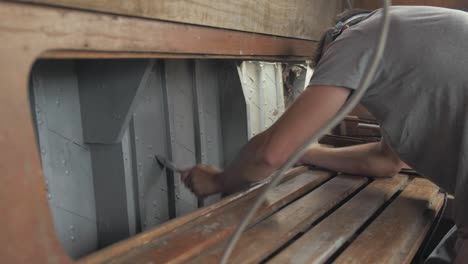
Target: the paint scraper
pixel 165 163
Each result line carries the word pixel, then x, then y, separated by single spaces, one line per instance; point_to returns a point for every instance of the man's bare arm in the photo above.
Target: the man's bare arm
pixel 373 159
pixel 266 152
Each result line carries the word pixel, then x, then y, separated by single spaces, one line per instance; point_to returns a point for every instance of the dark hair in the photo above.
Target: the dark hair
pixel 330 34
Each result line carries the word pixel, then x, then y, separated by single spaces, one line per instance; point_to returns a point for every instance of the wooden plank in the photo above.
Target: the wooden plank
pixel 358 119
pixel 145 237
pixel 299 19
pixel 109 91
pixel 344 141
pixel 395 236
pixel 179 245
pixel 43 29
pixel 214 226
pixel 270 234
pixel 73 54
pixel 323 240
pixel 58 30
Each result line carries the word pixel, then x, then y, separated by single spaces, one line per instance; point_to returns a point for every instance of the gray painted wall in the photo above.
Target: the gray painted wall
pixel 104 189
pixel 109 91
pixel 148 131
pixel 66 160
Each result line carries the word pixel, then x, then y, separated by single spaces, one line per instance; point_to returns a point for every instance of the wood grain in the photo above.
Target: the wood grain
pixel 323 240
pixel 73 54
pixel 395 236
pixel 270 234
pixel 344 141
pixel 61 30
pixel 27 31
pixel 298 19
pixel 145 237
pixel 205 232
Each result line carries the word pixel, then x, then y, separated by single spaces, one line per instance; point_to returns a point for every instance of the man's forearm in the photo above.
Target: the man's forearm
pixel 247 167
pixel 366 159
pixel 267 151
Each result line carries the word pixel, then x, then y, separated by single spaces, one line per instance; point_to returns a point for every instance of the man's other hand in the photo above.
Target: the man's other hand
pixel 202 180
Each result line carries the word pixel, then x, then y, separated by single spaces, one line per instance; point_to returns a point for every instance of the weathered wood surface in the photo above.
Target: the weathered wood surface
pixel 59 30
pixel 176 244
pixel 395 235
pixel 298 19
pixel 270 234
pixel 73 54
pixel 344 141
pixel 392 237
pixel 145 237
pixel 27 31
pixel 357 119
pixel 324 239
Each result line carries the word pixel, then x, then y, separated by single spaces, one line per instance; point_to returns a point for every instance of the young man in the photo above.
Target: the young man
pixel 418 95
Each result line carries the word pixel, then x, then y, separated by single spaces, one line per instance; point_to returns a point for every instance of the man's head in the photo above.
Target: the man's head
pixel 342 22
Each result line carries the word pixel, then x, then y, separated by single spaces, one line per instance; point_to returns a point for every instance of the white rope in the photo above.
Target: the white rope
pixel 348 107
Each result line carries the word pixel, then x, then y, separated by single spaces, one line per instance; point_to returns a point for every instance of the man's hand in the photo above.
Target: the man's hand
pixel 202 180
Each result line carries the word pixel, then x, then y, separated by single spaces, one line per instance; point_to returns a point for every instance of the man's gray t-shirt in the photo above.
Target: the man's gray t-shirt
pixel 420 92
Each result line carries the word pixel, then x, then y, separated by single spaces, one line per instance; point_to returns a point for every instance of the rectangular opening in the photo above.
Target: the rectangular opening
pixel 100 123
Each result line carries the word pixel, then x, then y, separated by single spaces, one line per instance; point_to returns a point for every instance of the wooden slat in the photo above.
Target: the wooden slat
pixel 395 236
pixel 358 119
pixel 268 235
pixel 343 141
pixel 73 54
pixel 29 30
pixel 298 19
pixel 151 235
pixel 203 233
pixel 63 33
pixel 322 241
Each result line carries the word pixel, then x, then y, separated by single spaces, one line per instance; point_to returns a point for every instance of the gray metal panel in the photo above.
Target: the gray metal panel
pixel 272 83
pixel 171 195
pixel 263 86
pixel 207 110
pixel 70 181
pixel 78 235
pixel 129 181
pixel 233 111
pixel 65 159
pixel 56 92
pixel 189 111
pixel 108 91
pixel 149 129
pixel 179 85
pixel 207 86
pixel 110 193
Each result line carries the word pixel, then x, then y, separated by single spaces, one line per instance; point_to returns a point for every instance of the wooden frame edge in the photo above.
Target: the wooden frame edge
pixel 30 32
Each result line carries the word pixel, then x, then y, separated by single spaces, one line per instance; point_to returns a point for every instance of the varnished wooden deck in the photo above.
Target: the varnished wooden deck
pixel 312 217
